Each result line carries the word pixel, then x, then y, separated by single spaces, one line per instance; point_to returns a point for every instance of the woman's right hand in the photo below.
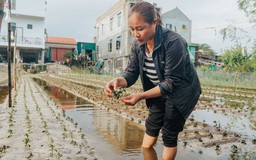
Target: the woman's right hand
pixel 111 86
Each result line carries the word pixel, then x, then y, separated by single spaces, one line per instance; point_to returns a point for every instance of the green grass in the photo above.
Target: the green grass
pixel 230 79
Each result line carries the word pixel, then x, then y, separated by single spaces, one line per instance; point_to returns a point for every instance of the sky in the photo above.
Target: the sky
pixel 77 18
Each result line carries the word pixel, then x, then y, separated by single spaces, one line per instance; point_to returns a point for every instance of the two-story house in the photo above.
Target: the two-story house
pixel 28 20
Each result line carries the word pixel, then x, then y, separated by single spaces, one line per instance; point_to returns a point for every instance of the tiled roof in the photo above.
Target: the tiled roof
pixel 61 40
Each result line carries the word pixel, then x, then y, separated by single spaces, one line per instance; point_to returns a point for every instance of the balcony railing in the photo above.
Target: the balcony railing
pixel 23 40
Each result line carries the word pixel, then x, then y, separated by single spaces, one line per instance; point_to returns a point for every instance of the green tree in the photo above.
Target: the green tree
pixel 249 7
pixel 206 49
pixel 241 39
pixel 236 34
pixel 70 56
pixel 237 59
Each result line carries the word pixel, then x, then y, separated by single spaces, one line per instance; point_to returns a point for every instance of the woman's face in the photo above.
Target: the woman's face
pixel 141 30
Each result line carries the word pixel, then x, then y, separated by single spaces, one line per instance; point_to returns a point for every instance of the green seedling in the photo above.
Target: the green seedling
pixel 26 140
pixel 82 136
pixel 217 147
pixel 59 155
pixel 118 93
pixel 52 149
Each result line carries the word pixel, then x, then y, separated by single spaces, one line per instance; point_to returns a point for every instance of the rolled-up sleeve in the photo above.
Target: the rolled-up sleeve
pixel 131 73
pixel 175 58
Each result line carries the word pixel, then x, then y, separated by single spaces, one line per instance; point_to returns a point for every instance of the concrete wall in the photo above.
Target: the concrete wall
pixel 115 60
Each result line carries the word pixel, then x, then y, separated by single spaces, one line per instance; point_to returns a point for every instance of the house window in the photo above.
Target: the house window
pixel 110 46
pixel 98 31
pixel 118 43
pixel 13 26
pixel 119 19
pixel 169 26
pixel 183 26
pixel 102 29
pixel 30 26
pixel 111 24
pixel 13 4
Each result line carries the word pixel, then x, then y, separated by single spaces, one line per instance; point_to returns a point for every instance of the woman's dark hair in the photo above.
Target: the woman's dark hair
pixel 147 11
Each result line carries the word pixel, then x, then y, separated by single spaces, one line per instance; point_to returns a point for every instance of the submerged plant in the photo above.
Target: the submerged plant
pixel 217 147
pixel 224 134
pixel 184 143
pixel 254 141
pixel 234 149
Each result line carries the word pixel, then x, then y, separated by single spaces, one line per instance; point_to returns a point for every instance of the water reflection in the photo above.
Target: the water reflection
pixel 123 134
pixel 149 154
pixel 64 99
pixel 112 136
pixel 3 94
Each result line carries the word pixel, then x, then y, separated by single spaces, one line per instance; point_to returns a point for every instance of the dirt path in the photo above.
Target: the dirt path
pixel 36 129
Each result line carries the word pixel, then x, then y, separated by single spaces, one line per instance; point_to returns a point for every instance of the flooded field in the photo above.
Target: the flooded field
pixel 215 130
pixel 112 136
pixel 238 124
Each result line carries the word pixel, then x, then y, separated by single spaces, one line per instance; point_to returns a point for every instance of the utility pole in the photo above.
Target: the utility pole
pixel 9 57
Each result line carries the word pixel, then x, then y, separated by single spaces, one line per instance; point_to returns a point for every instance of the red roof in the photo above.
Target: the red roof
pixel 61 40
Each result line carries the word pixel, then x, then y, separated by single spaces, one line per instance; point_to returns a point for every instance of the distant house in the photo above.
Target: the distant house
pixel 177 21
pixel 28 21
pixel 56 47
pixel 209 60
pixel 87 50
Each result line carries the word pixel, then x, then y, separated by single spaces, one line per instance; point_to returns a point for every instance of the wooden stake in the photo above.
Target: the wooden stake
pixel 14 60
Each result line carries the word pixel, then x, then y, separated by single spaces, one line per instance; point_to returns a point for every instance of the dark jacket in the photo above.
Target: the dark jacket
pixel 179 83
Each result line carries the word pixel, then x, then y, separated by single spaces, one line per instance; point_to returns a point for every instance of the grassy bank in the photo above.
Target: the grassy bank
pixel 229 79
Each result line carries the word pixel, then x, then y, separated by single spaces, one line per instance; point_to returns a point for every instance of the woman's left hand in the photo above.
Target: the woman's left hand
pixel 131 99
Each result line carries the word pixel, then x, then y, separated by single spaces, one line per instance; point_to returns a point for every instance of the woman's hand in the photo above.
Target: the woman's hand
pixel 114 84
pixel 111 86
pixel 131 99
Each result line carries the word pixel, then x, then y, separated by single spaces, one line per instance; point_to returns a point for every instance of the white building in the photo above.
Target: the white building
pixel 113 39
pixel 177 21
pixel 28 20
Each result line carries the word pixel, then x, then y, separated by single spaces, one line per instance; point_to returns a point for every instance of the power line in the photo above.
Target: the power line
pixel 212 28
